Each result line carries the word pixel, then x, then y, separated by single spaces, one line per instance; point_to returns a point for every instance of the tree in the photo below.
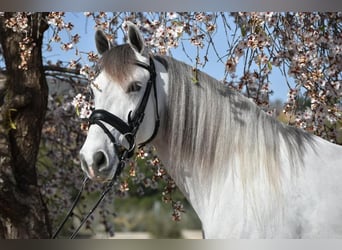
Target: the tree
pixel 23 213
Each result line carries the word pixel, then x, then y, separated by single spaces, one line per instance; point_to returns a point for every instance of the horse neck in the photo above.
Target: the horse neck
pixel 190 139
pixel 218 145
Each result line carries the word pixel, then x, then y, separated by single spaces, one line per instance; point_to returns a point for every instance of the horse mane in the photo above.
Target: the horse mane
pixel 210 125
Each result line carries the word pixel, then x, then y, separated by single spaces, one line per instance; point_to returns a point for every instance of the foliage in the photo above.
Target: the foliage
pixel 305 47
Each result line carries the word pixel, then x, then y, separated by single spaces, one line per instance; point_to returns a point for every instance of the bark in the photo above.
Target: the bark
pixel 23 213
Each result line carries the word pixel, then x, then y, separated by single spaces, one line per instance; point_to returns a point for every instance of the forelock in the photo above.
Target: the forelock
pixel 118 62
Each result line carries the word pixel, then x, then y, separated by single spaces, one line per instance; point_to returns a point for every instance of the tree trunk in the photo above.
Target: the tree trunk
pixel 23 213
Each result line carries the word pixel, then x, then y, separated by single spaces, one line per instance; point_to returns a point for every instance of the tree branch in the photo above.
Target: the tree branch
pixel 59 69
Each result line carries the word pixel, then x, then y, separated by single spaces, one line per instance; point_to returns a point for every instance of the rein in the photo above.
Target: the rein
pixel 128 131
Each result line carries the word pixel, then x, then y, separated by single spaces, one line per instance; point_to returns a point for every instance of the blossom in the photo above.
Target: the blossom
pixel 172 15
pixel 231 65
pixel 18 23
pixel 82 106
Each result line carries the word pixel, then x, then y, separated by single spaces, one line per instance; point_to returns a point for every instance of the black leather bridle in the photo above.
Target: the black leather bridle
pixel 128 131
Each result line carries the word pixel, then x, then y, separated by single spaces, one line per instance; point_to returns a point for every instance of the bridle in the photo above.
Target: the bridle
pixel 127 130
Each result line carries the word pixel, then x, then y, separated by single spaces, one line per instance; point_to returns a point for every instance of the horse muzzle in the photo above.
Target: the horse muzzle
pixel 97 167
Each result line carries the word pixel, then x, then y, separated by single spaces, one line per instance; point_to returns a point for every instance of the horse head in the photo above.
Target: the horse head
pixel 126 111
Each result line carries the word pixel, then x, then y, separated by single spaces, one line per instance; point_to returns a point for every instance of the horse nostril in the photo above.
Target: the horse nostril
pixel 100 160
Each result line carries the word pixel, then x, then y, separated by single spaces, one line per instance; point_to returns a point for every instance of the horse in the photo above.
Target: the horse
pixel 245 174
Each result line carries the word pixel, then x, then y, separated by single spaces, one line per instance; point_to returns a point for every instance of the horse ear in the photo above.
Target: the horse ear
pixel 135 40
pixel 101 41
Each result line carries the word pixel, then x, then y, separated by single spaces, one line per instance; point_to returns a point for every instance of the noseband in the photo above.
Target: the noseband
pixel 127 130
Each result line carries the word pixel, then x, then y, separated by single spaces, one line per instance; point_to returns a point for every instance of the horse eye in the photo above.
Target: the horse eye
pixel 134 87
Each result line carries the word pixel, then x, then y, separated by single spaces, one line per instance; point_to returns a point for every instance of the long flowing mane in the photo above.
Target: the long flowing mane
pixel 208 125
